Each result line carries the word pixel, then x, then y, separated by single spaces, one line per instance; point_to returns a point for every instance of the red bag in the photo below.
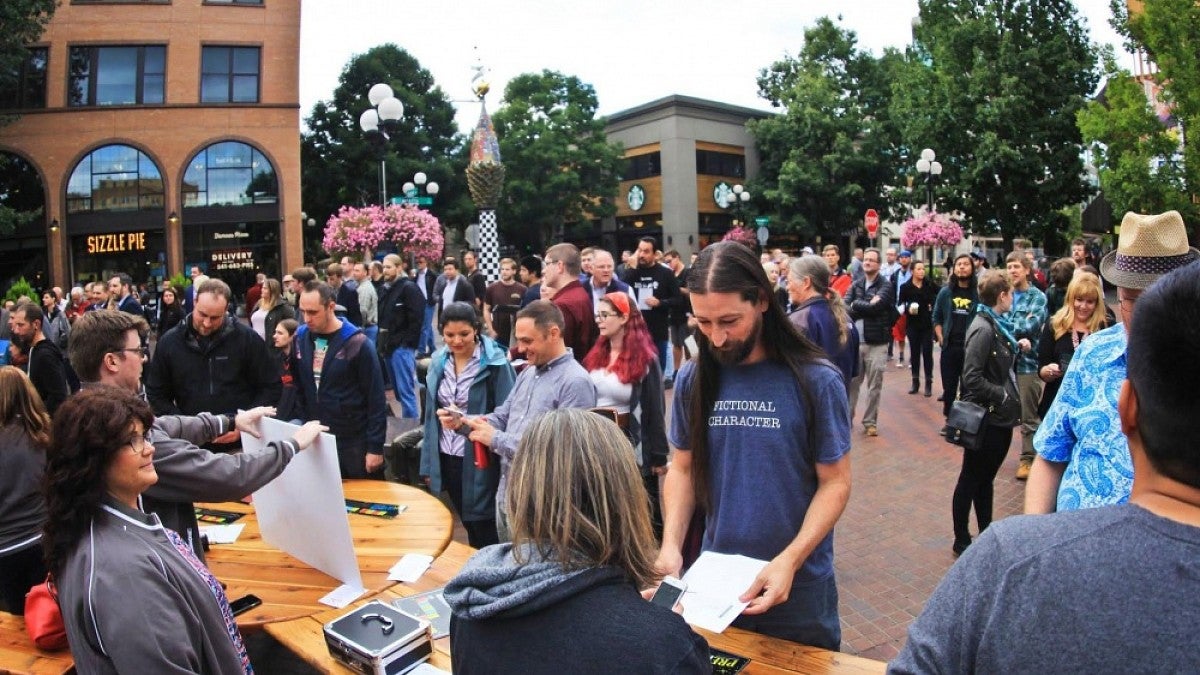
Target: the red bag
pixel 43 618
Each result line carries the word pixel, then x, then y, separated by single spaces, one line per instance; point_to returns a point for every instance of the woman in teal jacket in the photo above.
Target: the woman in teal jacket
pixel 471 373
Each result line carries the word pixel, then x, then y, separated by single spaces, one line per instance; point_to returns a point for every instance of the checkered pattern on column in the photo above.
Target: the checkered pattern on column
pixel 489 245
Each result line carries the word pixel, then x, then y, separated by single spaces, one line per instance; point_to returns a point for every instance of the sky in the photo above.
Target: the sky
pixel 631 52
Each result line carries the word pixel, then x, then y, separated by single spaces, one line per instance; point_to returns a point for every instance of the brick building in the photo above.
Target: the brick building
pixel 162 134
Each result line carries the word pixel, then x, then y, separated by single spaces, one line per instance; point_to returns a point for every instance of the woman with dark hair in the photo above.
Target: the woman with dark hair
pixel 170 311
pixel 1061 273
pixel 134 597
pixel 1079 317
pixel 623 364
pixel 23 439
pixel 761 427
pixel 563 597
pixel 988 379
pixel 288 407
pixel 916 299
pixel 272 309
pixel 820 314
pixel 470 373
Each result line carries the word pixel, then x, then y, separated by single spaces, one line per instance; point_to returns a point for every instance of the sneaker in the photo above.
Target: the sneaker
pixel 871 430
pixel 959 547
pixel 944 430
pixel 1023 470
pixel 668 383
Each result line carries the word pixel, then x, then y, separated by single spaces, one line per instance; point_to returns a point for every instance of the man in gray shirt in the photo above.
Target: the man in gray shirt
pixel 368 301
pixel 1108 589
pixel 553 379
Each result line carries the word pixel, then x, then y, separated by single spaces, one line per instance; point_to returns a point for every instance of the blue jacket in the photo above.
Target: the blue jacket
pixel 491 387
pixel 351 400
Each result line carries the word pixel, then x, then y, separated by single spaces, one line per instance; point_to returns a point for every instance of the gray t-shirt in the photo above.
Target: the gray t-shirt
pixel 1104 590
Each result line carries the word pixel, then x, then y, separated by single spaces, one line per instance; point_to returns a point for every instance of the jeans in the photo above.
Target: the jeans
pixel 404 377
pixel 1029 386
pixel 480 533
pixel 810 614
pixel 874 359
pixel 372 333
pixel 975 481
pixel 953 355
pixel 664 348
pixel 425 346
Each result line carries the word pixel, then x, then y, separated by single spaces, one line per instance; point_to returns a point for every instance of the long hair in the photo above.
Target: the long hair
pixel 814 268
pixel 575 494
pixel 21 404
pixel 637 349
pixel 952 281
pixel 271 292
pixel 89 428
pixel 1085 285
pixel 729 267
pixel 174 297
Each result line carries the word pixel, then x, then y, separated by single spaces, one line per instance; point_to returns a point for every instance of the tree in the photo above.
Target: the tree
pixel 340 162
pixel 831 155
pixel 22 200
pixel 559 166
pixel 23 22
pixel 1133 149
pixel 994 87
pixel 1168 31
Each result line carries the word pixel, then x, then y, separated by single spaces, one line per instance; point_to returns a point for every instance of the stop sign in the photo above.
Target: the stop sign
pixel 871 220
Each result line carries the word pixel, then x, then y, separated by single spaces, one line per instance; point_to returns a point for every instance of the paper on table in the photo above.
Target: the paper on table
pixel 222 534
pixel 305 499
pixel 426 669
pixel 714 583
pixel 341 596
pixel 410 568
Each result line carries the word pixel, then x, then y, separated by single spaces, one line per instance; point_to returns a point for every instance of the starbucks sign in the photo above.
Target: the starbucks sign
pixel 636 198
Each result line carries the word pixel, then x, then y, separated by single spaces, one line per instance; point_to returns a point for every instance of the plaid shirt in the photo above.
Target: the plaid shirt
pixel 1026 320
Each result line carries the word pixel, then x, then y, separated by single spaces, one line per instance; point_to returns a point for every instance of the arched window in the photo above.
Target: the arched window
pixel 115 178
pixel 229 173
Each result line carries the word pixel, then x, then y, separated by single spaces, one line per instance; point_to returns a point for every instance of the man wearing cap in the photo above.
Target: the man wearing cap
pixel 1082 455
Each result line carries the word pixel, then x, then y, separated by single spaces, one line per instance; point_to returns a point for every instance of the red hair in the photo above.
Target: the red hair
pixel 637 349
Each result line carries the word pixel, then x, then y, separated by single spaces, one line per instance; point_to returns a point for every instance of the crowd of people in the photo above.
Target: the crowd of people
pixel 542 411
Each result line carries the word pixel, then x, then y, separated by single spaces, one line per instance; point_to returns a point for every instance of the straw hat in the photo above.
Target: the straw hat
pixel 1149 247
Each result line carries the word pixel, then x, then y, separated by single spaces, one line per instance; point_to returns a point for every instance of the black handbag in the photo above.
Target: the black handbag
pixel 965 424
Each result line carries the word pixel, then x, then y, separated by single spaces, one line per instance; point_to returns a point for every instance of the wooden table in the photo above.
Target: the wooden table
pixel 19 655
pixel 290 589
pixel 767 655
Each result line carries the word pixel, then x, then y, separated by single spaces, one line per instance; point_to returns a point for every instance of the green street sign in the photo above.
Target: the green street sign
pixel 762 221
pixel 415 201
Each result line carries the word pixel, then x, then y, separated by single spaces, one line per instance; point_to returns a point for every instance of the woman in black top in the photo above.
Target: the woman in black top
pixel 170 311
pixel 916 299
pixel 1079 317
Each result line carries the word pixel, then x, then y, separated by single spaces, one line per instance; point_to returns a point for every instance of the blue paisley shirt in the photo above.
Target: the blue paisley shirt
pixel 1082 427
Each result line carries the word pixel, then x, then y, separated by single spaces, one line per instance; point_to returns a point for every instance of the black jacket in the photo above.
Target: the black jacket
pixel 47 370
pixel 348 298
pixel 401 312
pixel 430 284
pixel 282 310
pixel 660 282
pixel 877 317
pixel 988 376
pixel 231 370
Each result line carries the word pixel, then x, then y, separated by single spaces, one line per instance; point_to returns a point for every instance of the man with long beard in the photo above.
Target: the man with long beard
pixel 761 428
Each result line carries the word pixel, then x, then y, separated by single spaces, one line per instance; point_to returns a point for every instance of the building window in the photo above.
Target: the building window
pixel 117 75
pixel 229 174
pixel 643 166
pixel 29 82
pixel 229 75
pixel 713 163
pixel 115 178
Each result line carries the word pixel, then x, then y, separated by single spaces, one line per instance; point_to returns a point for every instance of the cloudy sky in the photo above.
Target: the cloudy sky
pixel 632 52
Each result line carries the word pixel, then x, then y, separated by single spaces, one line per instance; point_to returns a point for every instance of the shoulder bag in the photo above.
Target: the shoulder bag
pixel 965 424
pixel 43 618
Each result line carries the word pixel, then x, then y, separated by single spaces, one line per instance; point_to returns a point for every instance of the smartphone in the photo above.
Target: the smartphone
pixel 669 592
pixel 454 411
pixel 245 604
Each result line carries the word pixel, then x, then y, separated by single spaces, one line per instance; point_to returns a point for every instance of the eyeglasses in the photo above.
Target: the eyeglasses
pixel 600 316
pixel 142 351
pixel 1127 303
pixel 137 444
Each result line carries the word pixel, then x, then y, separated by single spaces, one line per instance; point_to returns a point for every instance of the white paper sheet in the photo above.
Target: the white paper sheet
pixel 303 511
pixel 714 583
pixel 222 534
pixel 341 596
pixel 410 568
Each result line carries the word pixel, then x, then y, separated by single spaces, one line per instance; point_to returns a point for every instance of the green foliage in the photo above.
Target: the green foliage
pixel 1133 149
pixel 831 154
pixel 340 162
pixel 179 281
pixel 20 288
pixel 560 167
pixel 22 23
pixel 22 199
pixel 994 87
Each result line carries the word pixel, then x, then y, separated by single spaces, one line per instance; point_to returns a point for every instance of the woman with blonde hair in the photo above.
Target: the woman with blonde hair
pixel 1081 315
pixel 564 595
pixel 23 439
pixel 820 314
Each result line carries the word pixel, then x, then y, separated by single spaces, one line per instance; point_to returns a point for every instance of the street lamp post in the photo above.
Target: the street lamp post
pixel 412 190
pixel 931 169
pixel 737 199
pixel 385 110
